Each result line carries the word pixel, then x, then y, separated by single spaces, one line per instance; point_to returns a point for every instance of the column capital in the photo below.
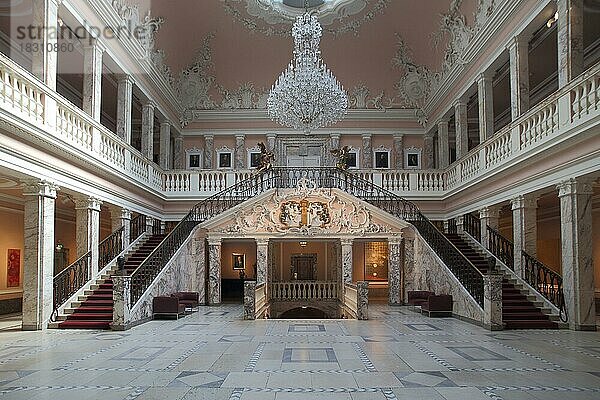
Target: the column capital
pixel 271 135
pixel 485 76
pixel 149 104
pixel 398 135
pixel 262 241
pixel 489 212
pixel 240 136
pixel 166 123
pixel 209 136
pixel 524 201
pixel 178 138
pixel 125 78
pixel 41 188
pixel 395 239
pixel 90 203
pixel 214 241
pixel 335 135
pixel 125 213
pixel 461 101
pixel 367 135
pixel 443 121
pixel 575 186
pixel 346 242
pixel 518 40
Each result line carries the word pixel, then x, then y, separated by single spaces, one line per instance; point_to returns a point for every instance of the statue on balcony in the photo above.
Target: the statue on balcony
pixel 342 157
pixel 266 158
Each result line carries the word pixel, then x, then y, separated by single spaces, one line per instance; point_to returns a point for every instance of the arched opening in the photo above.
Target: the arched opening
pixel 303 313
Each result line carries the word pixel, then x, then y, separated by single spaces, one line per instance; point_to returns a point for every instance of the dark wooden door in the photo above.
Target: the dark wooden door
pixel 305 265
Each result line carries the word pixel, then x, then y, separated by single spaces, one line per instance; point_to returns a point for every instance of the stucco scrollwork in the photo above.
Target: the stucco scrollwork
pixel 453 24
pixel 144 28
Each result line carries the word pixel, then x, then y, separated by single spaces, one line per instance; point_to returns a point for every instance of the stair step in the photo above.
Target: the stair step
pixel 529 324
pixel 91 309
pixel 90 316
pixel 103 325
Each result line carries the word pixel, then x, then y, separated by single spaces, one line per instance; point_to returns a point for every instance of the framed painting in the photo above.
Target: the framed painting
pixel 238 261
pixel 13 268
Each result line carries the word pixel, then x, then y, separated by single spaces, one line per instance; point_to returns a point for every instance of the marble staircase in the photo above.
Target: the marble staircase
pixel 520 309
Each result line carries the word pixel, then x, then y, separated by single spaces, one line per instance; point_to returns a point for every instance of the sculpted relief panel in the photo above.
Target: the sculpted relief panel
pixel 307 210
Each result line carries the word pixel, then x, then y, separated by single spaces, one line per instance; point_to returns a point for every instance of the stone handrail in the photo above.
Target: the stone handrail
pixel 256 303
pixel 303 290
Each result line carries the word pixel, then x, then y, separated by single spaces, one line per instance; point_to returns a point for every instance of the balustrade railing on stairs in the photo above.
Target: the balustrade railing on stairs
pixel 547 282
pixel 110 247
pixel 138 226
pixel 501 247
pixel 472 226
pixel 67 282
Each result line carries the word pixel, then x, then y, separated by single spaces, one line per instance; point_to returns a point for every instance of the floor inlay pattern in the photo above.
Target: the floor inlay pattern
pixel 212 354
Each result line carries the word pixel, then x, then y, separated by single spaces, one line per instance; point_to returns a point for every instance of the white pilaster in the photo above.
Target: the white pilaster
pixel 240 152
pixel 524 229
pixel 518 49
pixel 346 260
pixel 148 130
pixel 38 258
pixel 92 78
pixel 124 107
pixel 214 271
pixel 367 152
pixel 577 258
pixel 87 221
pixel 570 40
pixel 443 146
pixel 485 96
pixel 395 270
pixel 398 151
pixel 178 162
pixel 428 159
pixel 165 145
pixel 262 254
pixel 462 128
pixel 209 149
pixel 45 63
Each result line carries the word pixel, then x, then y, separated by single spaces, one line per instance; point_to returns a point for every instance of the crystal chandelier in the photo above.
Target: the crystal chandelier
pixel 306 95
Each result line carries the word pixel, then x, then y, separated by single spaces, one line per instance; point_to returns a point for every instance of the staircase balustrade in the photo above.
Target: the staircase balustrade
pixel 110 247
pixel 547 282
pixel 138 226
pixel 67 282
pixel 472 225
pixel 452 227
pixel 501 247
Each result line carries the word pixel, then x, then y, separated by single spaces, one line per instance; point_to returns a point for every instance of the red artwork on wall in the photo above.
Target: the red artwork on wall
pixel 13 270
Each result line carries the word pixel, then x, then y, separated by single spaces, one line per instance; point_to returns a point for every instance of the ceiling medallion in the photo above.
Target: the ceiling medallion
pixel 306 95
pixel 338 16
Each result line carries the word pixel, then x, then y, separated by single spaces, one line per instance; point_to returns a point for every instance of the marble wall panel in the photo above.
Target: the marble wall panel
pixel 395 272
pixel 362 305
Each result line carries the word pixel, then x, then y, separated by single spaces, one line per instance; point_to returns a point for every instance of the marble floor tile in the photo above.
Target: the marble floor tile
pixel 214 354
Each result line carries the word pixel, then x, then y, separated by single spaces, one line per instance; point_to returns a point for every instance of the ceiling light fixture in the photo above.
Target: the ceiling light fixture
pixel 306 95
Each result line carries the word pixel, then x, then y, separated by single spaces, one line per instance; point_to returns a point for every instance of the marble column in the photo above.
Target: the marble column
pixel 124 106
pixel 570 40
pixel 271 137
pixel 92 78
pixel 44 63
pixel 209 149
pixel 488 216
pixel 362 306
pixel 250 300
pixel 199 259
pixel 462 128
pixel 524 229
pixel 38 257
pixel 240 152
pixel 367 152
pixel 398 150
pixel 443 146
pixel 428 159
pixel 121 217
pixel 518 49
pixel 214 271
pixel 178 162
pixel 409 267
pixel 165 145
pixel 148 130
pixel 395 270
pixel 485 97
pixel 121 296
pixel 577 254
pixel 262 254
pixel 346 260
pixel 334 143
pixel 492 302
pixel 87 227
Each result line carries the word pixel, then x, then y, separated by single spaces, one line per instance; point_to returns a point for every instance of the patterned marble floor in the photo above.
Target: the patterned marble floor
pixel 213 354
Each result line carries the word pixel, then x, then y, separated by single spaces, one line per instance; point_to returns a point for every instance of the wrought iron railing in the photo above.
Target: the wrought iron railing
pixel 143 276
pixel 288 177
pixel 156 226
pixel 501 247
pixel 547 282
pixel 472 226
pixel 138 226
pixel 67 282
pixel 452 227
pixel 110 247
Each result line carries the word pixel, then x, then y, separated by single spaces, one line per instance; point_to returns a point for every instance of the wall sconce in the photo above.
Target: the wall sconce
pixel 303 243
pixel 552 20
